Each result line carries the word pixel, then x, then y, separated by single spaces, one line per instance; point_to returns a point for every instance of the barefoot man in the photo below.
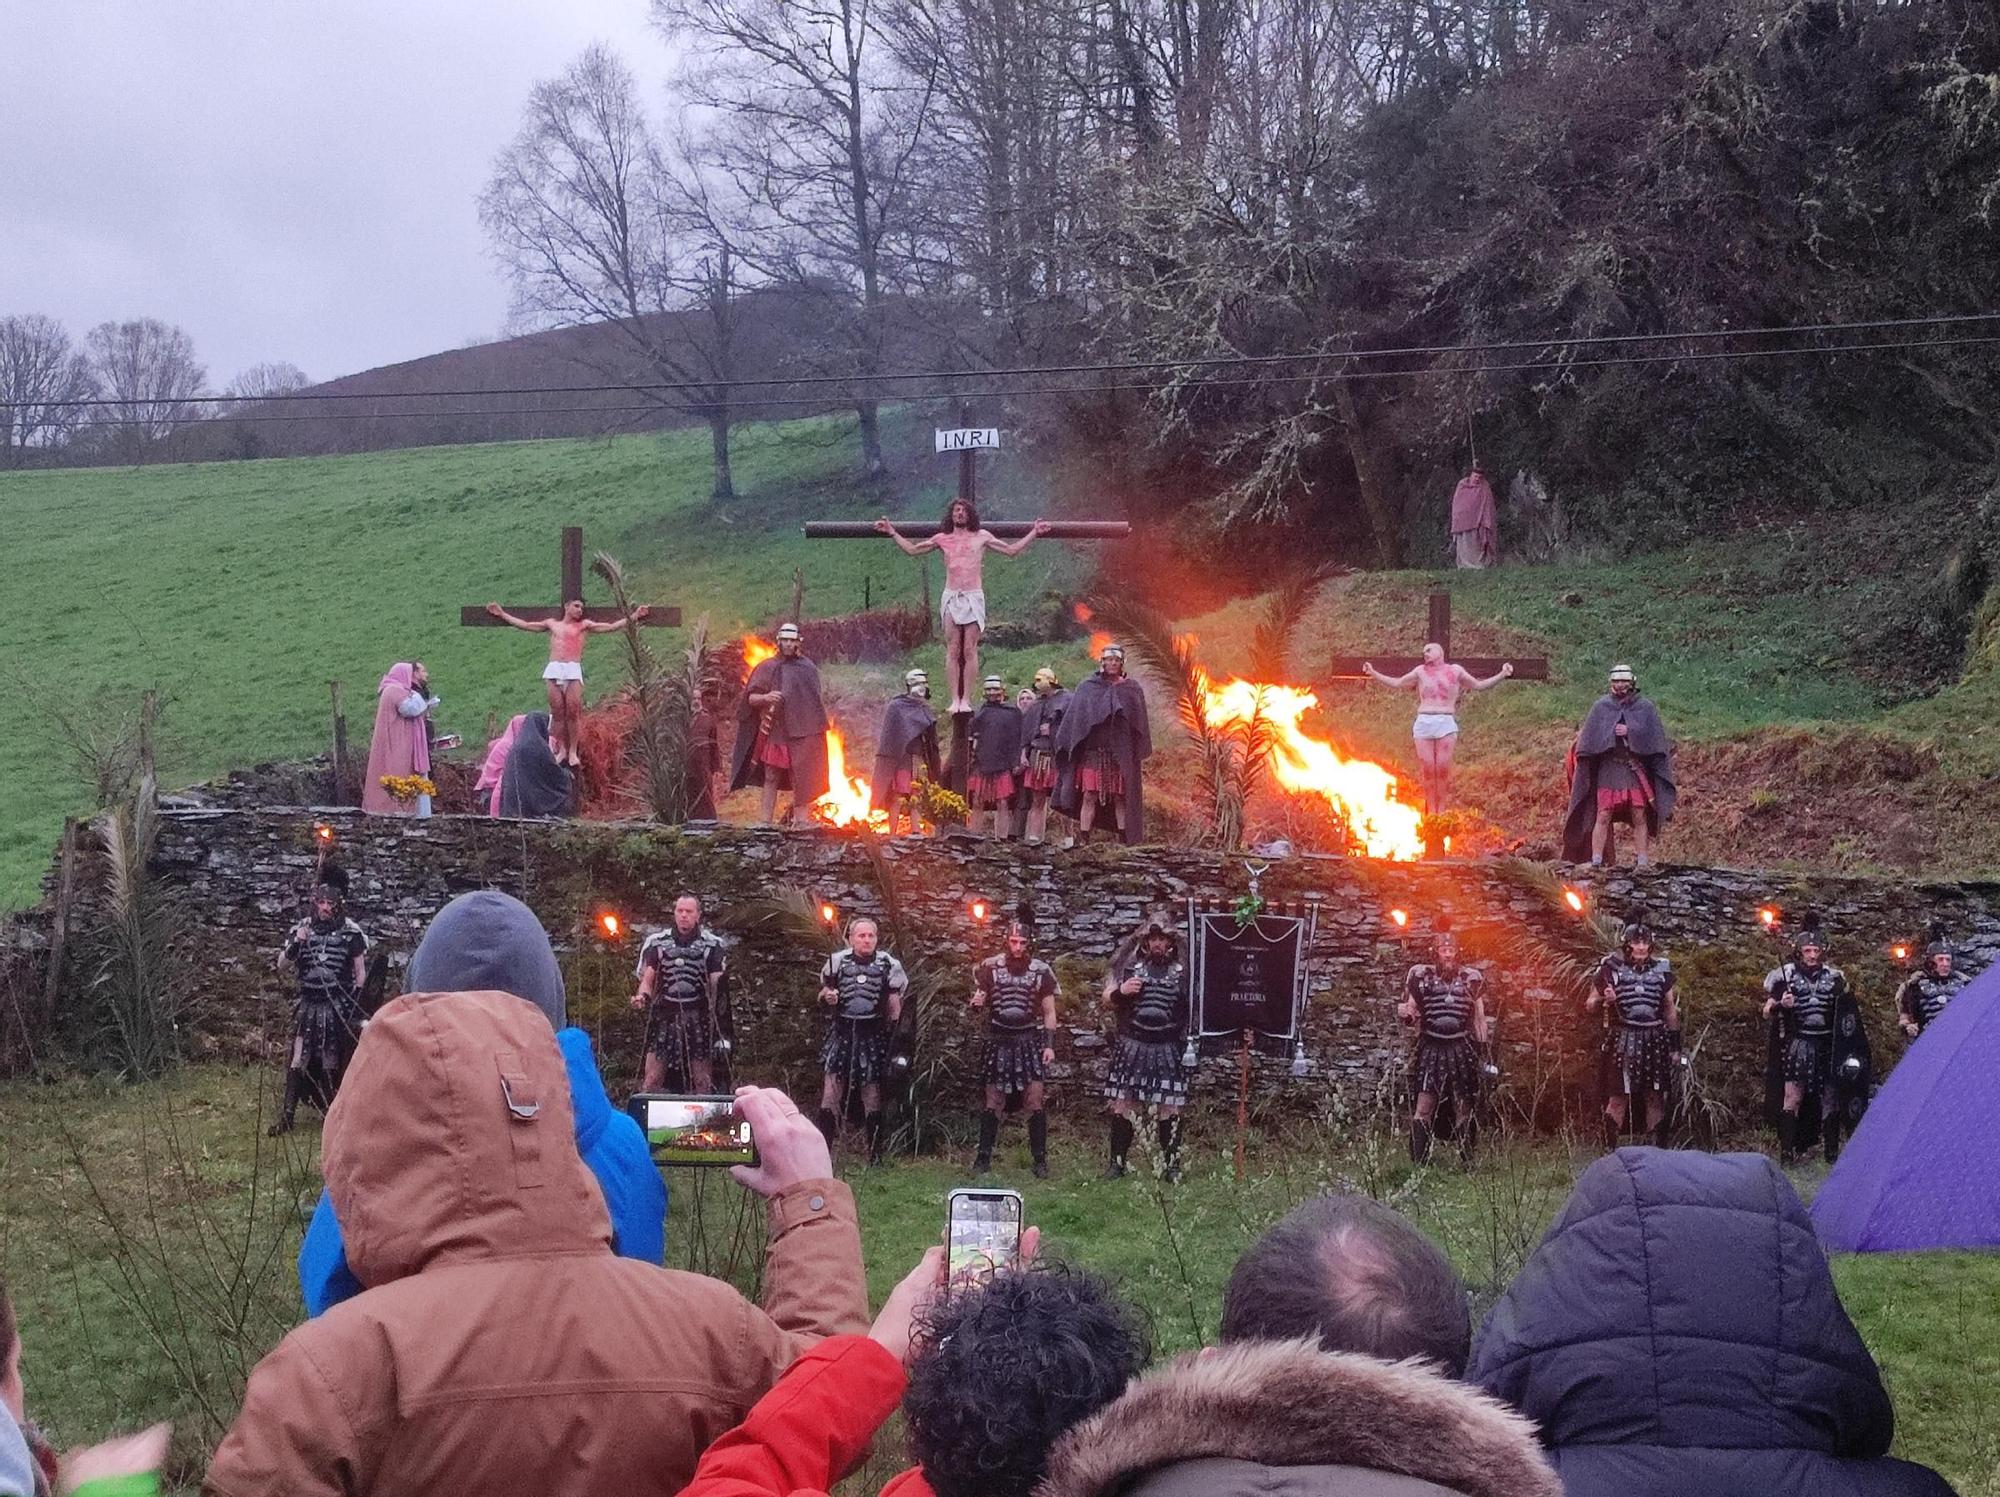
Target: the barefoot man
pixel 1438 684
pixel 564 672
pixel 963 605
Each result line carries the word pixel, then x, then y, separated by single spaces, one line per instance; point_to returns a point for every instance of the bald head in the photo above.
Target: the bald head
pixel 1356 1275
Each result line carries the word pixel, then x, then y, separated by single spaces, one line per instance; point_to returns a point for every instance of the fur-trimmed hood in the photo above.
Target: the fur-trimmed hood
pixel 1290 1405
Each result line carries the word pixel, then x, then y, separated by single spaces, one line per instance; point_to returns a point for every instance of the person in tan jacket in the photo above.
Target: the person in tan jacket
pixel 500 1346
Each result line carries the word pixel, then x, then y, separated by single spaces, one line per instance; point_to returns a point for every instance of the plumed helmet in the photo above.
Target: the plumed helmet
pixel 331 884
pixel 1637 928
pixel 1046 676
pixel 1812 932
pixel 1939 943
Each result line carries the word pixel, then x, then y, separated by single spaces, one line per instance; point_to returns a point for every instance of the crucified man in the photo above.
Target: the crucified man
pixel 963 605
pixel 564 672
pixel 1438 684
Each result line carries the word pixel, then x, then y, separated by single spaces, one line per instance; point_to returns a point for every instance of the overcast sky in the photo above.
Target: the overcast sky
pixel 286 179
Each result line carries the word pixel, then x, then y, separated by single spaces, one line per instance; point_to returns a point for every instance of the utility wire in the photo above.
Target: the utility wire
pixel 948 377
pixel 827 403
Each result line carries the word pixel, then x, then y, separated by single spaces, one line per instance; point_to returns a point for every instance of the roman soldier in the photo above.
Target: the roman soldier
pixel 330 955
pixel 1621 769
pixel 1018 992
pixel 781 727
pixel 680 980
pixel 1924 994
pixel 1818 1051
pixel 1038 749
pixel 864 986
pixel 1444 1001
pixel 996 754
pixel 907 742
pixel 1636 992
pixel 1148 988
pixel 1100 744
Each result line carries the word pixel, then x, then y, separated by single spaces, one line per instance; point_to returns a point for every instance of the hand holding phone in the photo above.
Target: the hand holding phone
pixel 982 1235
pixel 792 1148
pixel 694 1131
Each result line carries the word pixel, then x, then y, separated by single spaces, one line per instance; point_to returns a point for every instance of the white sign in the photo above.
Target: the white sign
pixel 969 439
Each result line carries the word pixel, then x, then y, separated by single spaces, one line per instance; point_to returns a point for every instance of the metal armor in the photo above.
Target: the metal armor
pixel 1640 989
pixel 1158 1009
pixel 863 985
pixel 325 960
pixel 1014 998
pixel 1929 994
pixel 1445 1000
pixel 1813 991
pixel 683 967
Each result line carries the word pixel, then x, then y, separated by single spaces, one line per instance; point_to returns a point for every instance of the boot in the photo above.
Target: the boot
pixel 290 1105
pixel 1661 1135
pixel 1788 1138
pixel 1830 1128
pixel 1121 1146
pixel 1169 1130
pixel 1420 1141
pixel 989 1134
pixel 1038 1143
pixel 1613 1133
pixel 872 1124
pixel 829 1124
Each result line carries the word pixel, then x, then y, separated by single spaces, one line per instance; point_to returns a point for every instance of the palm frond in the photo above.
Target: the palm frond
pixel 1287 608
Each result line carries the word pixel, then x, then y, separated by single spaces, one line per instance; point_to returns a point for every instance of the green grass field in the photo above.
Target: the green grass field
pixel 148 1235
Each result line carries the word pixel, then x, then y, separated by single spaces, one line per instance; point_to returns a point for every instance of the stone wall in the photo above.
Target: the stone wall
pixel 244 873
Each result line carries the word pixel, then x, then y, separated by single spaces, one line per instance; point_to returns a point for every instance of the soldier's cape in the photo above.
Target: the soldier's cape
pixel 1110 715
pixel 908 724
pixel 996 739
pixel 1646 739
pixel 800 723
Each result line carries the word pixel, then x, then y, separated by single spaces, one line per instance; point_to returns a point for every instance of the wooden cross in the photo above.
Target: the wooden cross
pixel 475 616
pixel 1526 667
pixel 1006 530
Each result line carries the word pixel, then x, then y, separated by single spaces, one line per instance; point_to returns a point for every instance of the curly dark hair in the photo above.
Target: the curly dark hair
pixel 1006 1369
pixel 971 513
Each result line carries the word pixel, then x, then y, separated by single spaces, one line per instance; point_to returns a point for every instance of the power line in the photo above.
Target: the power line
pixel 831 404
pixel 949 376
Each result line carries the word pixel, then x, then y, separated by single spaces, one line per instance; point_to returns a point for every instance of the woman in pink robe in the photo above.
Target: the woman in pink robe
pixel 496 761
pixel 401 742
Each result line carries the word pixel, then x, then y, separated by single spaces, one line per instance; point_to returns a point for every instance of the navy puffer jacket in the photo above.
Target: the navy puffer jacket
pixel 1677 1332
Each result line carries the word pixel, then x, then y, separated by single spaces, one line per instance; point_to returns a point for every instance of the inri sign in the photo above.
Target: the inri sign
pixel 969 439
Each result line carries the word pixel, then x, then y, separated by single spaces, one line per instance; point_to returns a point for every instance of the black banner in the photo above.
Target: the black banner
pixel 1249 978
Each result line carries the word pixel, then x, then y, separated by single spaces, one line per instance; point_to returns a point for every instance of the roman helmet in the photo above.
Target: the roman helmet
pixel 1637 929
pixel 1810 934
pixel 1444 942
pixel 1109 654
pixel 1622 675
pixel 788 634
pixel 1938 955
pixel 994 689
pixel 331 885
pixel 1046 681
pixel 917 684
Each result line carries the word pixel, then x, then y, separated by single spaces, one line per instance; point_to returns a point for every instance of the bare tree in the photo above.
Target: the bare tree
pixel 262 381
pixel 595 222
pixel 817 128
pixel 148 369
pixel 39 372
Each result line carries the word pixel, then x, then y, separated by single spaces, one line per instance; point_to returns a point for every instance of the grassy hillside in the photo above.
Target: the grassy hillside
pixel 240 590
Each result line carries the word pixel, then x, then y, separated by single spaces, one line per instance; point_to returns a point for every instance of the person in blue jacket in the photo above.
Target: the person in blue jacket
pixel 1678 1331
pixel 491 941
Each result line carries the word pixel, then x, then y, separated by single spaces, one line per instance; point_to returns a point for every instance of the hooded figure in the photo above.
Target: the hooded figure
pixel 501 1346
pixel 489 940
pixel 1618 775
pixel 533 784
pixel 1475 525
pixel 783 739
pixel 1677 1331
pixel 996 755
pixel 495 765
pixel 401 742
pixel 1100 744
pixel 17 1467
pixel 909 733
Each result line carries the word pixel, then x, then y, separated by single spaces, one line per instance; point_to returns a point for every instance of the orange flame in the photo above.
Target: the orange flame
pixel 979 909
pixel 1900 953
pixel 1084 613
pixel 1574 900
pixel 846 800
pixel 610 924
pixel 1768 916
pixel 1362 794
pixel 323 832
pixel 1401 917
pixel 1098 640
pixel 755 652
pixel 828 913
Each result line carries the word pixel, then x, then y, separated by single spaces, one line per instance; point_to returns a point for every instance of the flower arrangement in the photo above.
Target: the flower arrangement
pixel 940 805
pixel 404 789
pixel 1247 909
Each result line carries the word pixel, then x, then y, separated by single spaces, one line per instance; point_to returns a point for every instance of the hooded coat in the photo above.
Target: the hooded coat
pixel 1677 1331
pixel 1646 740
pixel 908 726
pixel 501 1346
pixel 800 722
pixel 533 784
pixel 400 743
pixel 489 940
pixel 1286 1419
pixel 1108 714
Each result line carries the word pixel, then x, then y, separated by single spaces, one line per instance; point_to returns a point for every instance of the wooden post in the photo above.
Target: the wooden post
pixel 572 564
pixel 1242 1103
pixel 867 594
pixel 798 595
pixel 339 745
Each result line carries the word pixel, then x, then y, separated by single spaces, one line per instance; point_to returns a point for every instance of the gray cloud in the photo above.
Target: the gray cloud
pixel 283 178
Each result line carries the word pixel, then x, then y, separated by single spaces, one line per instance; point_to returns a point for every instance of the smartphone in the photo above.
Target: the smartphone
pixel 693 1131
pixel 982 1234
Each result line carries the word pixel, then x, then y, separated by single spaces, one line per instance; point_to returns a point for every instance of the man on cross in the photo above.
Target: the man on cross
pixel 564 672
pixel 1438 684
pixel 963 605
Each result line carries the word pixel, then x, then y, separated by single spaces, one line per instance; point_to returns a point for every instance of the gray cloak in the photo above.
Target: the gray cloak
pixel 799 723
pixel 1110 715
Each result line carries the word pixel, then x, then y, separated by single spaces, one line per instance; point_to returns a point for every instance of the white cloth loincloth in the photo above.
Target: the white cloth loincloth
pixel 1431 725
pixel 563 670
pixel 963 607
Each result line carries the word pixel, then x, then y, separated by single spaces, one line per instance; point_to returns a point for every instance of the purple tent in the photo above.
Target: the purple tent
pixel 1923 1170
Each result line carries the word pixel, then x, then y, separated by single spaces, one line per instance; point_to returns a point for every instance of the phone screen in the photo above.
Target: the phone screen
pixel 982 1234
pixel 694 1130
